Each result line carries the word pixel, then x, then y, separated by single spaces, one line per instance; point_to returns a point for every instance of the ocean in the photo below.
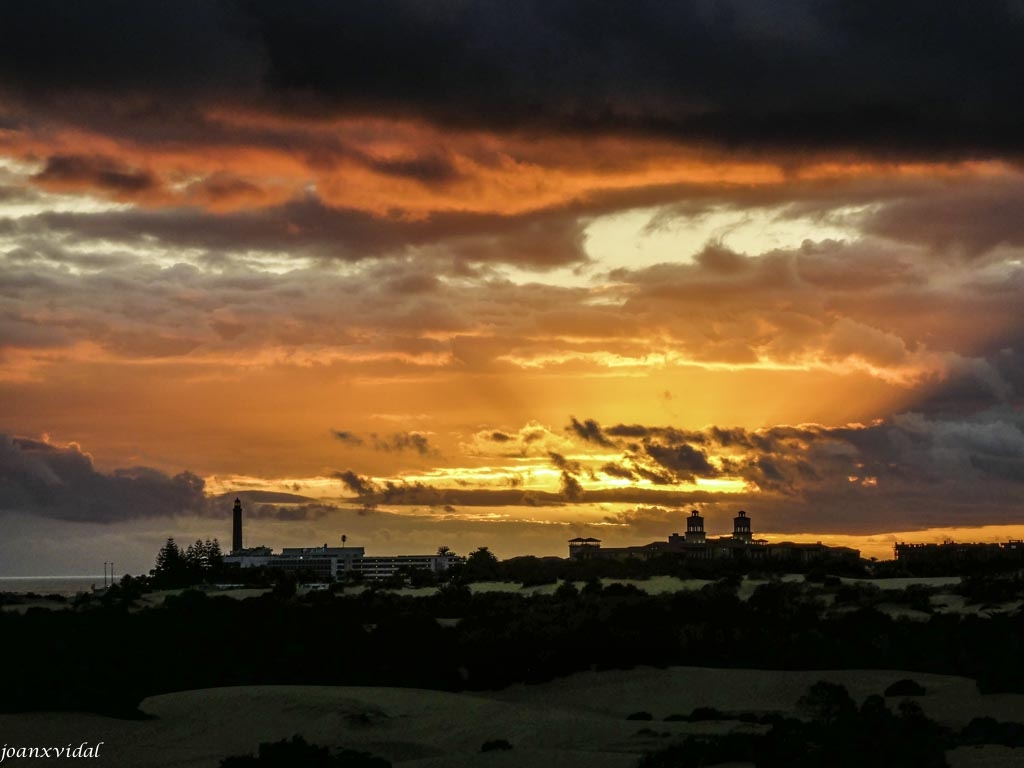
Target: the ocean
pixel 68 586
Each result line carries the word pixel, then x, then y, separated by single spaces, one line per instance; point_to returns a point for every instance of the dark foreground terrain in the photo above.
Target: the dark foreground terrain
pixel 125 655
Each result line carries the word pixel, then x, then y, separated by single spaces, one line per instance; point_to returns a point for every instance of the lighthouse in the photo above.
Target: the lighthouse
pixel 236 527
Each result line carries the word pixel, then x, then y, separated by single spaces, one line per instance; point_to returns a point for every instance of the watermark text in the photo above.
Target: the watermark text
pixel 85 749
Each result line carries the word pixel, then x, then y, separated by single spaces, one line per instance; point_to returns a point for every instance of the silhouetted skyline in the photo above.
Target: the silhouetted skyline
pixel 505 274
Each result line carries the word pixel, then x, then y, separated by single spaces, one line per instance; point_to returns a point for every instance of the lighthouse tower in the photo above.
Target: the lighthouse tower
pixel 695 528
pixel 236 527
pixel 741 528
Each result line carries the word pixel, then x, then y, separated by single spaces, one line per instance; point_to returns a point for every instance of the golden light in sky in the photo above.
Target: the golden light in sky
pixel 548 298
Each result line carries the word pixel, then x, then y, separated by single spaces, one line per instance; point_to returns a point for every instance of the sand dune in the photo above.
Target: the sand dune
pixel 576 721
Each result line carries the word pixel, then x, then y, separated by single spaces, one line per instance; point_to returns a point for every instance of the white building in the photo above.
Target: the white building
pixel 253 557
pixel 383 567
pixel 329 562
pixel 324 562
pixel 334 562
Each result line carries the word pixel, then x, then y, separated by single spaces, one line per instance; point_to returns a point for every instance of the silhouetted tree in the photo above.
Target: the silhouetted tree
pixel 214 556
pixel 827 703
pixel 566 591
pixel 171 568
pixel 481 565
pixel 195 558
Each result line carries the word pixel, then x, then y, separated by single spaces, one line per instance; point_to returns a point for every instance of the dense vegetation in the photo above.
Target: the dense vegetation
pixel 107 655
pixel 831 732
pixel 834 732
pixel 197 563
pixel 297 753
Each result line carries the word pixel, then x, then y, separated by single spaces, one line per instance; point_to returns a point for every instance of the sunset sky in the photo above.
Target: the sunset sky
pixel 504 273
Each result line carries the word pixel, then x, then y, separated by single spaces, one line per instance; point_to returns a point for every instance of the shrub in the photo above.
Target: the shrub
pixel 827 703
pixel 649 732
pixel 706 713
pixel 986 730
pixel 496 745
pixel 297 753
pixel 639 716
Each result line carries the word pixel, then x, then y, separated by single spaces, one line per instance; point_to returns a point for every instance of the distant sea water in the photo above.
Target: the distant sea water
pixel 69 586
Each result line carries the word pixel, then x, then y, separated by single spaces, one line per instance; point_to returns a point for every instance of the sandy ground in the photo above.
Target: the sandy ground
pixel 908 581
pixel 50 605
pixel 656 585
pixel 158 597
pixel 985 756
pixel 576 721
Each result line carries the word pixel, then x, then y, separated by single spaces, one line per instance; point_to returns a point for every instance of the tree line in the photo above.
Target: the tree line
pixel 199 563
pixel 109 655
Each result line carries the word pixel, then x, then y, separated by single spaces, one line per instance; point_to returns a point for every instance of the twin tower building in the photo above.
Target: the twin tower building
pixel 695 544
pixel 695 530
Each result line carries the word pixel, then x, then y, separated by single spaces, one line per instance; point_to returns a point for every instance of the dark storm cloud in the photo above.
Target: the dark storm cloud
pixel 361 486
pixel 971 218
pixel 911 471
pixel 307 227
pixel 867 301
pixel 656 477
pixel 589 430
pixel 105 173
pixel 570 487
pixel 910 451
pixel 225 501
pixel 971 386
pixel 627 430
pixel 347 437
pixel 61 482
pixel 403 441
pixel 568 466
pixel 618 470
pixel 428 169
pixel 270 505
pixel 291 513
pixel 790 73
pixel 118 45
pixel 908 472
pixel 685 461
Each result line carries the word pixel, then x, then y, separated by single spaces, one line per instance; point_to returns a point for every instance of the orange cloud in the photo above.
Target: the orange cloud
pixel 403 168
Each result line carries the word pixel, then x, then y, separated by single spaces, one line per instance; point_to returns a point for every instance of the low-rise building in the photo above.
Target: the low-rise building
pixel 326 562
pixel 953 552
pixel 385 567
pixel 251 557
pixel 696 545
pixel 336 562
pixel 323 562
